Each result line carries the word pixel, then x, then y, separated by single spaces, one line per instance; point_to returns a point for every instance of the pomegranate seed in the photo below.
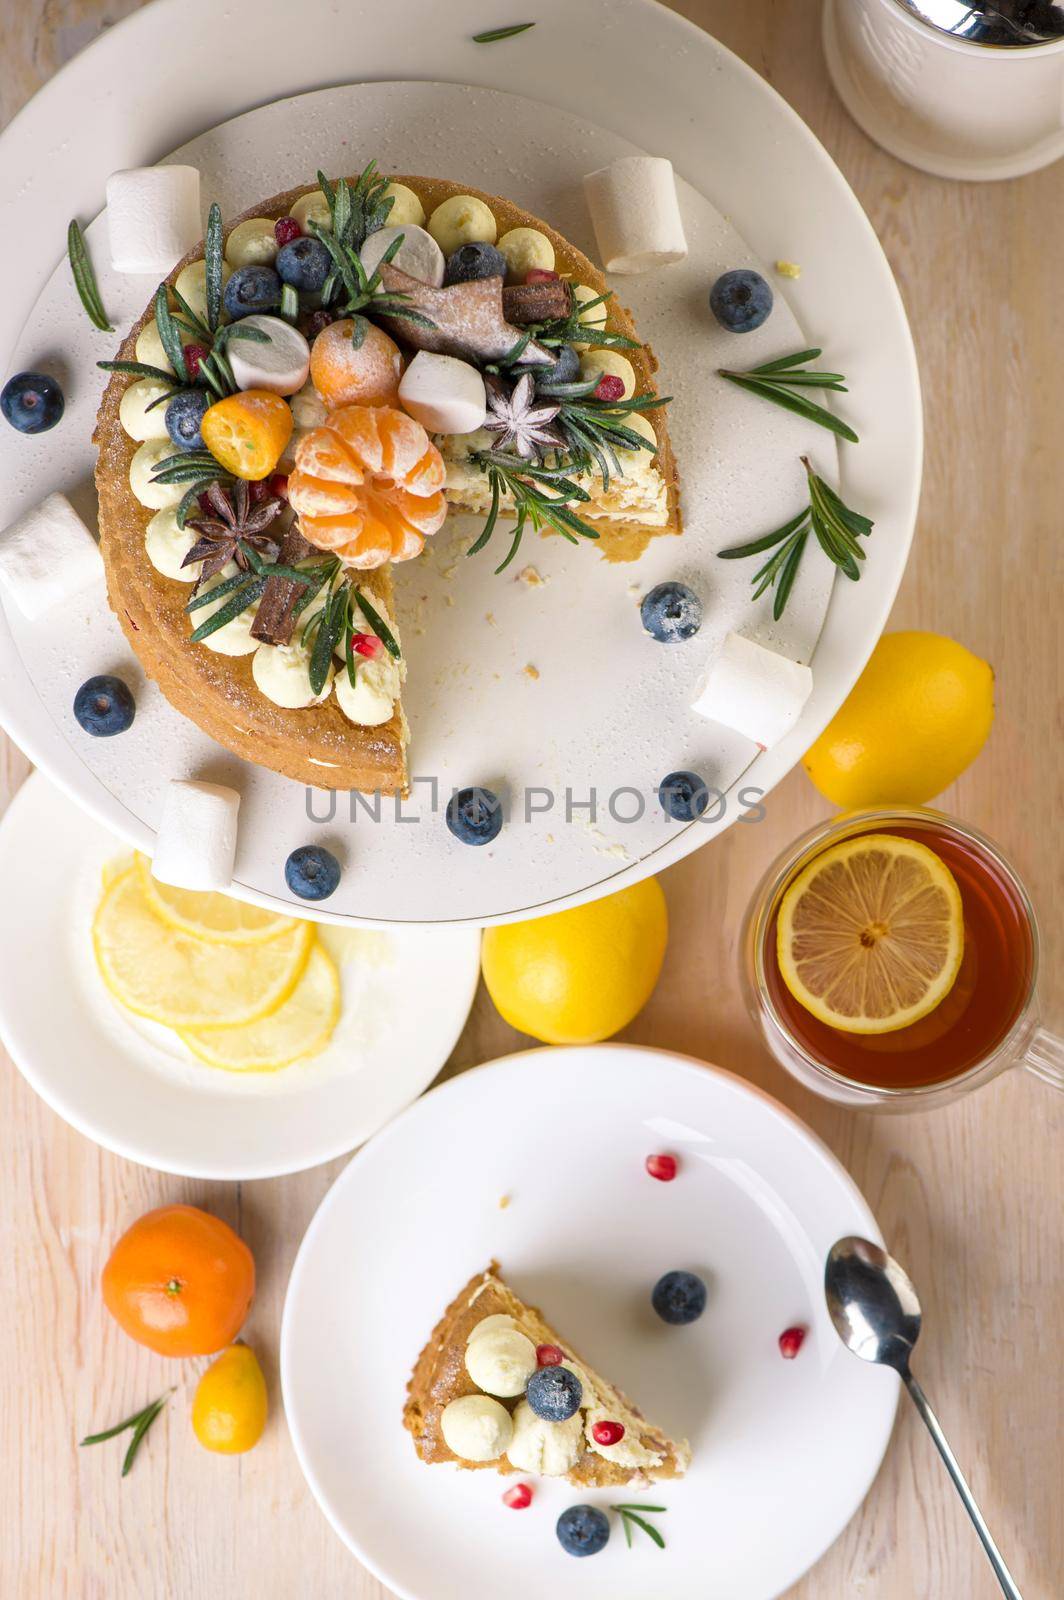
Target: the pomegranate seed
pixel 259 489
pixel 316 323
pixel 791 1341
pixel 540 275
pixel 195 355
pixel 662 1167
pixel 609 387
pixel 548 1355
pixel 608 1432
pixel 279 485
pixel 286 230
pixel 518 1497
pixel 366 644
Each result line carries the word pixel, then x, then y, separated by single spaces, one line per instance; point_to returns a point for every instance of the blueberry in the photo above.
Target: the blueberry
pixel 566 369
pixel 554 1393
pixel 740 300
pixel 671 612
pixel 678 1298
pixel 474 816
pixel 305 264
pixel 474 261
pixel 104 706
pixel 183 417
pixel 582 1530
pixel 252 289
pixel 683 796
pixel 31 402
pixel 311 872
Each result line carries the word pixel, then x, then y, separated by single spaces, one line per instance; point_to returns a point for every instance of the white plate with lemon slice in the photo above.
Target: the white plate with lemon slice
pixel 201 1035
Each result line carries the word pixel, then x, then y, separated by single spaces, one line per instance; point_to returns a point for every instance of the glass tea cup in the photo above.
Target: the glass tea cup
pixel 987 1022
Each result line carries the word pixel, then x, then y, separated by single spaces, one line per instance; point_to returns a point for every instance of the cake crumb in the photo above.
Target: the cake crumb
pixel 531 672
pixel 788 269
pixel 531 578
pixel 489 618
pixel 504 1201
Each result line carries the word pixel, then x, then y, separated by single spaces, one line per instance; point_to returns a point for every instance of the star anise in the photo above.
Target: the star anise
pixel 236 521
pixel 521 425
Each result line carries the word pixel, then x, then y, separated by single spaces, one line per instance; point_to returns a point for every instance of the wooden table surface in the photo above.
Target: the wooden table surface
pixel 969 1197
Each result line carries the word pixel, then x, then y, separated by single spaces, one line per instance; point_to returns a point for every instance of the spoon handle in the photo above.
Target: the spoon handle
pixel 920 1401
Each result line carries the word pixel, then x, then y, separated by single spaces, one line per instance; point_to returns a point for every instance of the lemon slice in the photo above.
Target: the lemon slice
pixel 871 934
pixel 159 972
pixel 209 916
pixel 301 1026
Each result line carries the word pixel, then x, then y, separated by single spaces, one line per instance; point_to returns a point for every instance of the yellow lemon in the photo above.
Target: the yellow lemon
pixel 210 916
pixel 301 1026
pixel 918 715
pixel 579 976
pixel 172 977
pixel 870 935
pixel 229 1406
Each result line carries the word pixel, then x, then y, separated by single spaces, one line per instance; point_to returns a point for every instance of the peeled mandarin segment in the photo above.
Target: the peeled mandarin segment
pixel 172 977
pixel 324 454
pixel 871 934
pixel 209 916
pixel 318 497
pixel 407 545
pixel 301 1026
pixel 426 513
pixel 332 533
pixel 345 373
pixel 247 433
pixel 359 428
pixel 429 475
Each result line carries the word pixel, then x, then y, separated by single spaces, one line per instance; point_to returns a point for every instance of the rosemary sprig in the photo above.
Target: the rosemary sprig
pixel 570 329
pixel 630 1514
pixel 140 1423
pixel 331 622
pixel 140 369
pixel 213 257
pixel 594 430
pixel 780 380
pixel 494 34
pixel 363 289
pixel 241 596
pixel 170 335
pixel 835 527
pixel 379 626
pixel 357 210
pixel 522 479
pixel 85 278
pixel 215 373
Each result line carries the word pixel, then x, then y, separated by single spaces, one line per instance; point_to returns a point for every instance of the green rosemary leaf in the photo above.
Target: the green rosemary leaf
pixel 857 524
pixel 515 543
pixel 237 603
pixel 788 573
pixel 214 257
pixel 326 639
pixel 494 34
pixel 637 1505
pixel 169 335
pixel 341 259
pixel 379 626
pixel 327 190
pixel 120 1427
pixel 349 653
pixel 146 1420
pixel 492 517
pixel 85 277
pixel 637 1515
pixel 341 211
pixel 193 321
pixel 191 495
pixel 785 363
pixel 238 580
pixel 140 369
pixel 792 402
pixel 755 546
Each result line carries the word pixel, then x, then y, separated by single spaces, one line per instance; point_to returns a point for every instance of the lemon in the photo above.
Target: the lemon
pixel 230 1403
pixel 917 716
pixel 301 1026
pixel 209 916
pixel 579 976
pixel 870 935
pixel 159 972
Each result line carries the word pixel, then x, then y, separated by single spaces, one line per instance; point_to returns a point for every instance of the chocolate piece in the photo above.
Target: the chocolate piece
pixel 275 618
pixel 548 301
pixel 468 319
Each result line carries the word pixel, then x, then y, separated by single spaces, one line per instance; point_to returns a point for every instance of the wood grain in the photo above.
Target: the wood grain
pixel 970 1197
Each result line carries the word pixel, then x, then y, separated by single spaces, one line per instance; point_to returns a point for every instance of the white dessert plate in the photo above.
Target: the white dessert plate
pixel 783 1451
pixel 132 1087
pixel 608 709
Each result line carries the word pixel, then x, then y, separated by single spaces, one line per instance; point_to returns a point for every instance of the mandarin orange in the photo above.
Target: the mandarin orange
pixel 348 373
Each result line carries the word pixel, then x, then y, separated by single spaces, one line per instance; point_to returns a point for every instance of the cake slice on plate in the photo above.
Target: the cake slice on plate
pixel 496 1386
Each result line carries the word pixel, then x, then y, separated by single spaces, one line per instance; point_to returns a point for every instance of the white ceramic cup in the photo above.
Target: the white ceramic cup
pixel 949 105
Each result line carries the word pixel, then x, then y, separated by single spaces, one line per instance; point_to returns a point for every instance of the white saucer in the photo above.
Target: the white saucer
pixel 784 1451
pixel 132 1087
pixel 798 207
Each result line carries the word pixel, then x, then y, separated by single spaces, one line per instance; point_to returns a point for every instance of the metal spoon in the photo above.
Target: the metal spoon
pixel 876 1314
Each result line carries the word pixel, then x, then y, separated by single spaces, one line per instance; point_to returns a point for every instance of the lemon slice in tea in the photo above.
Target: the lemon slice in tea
pixel 301 1026
pixel 159 972
pixel 209 916
pixel 870 935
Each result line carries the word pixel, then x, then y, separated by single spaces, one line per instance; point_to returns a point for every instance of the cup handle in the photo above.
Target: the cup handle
pixel 1045 1057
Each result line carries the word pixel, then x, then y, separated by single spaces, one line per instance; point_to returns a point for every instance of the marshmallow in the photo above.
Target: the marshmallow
pixel 47 556
pixel 153 216
pixel 281 366
pixel 195 847
pixel 419 256
pixel 636 214
pixel 443 393
pixel 753 690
